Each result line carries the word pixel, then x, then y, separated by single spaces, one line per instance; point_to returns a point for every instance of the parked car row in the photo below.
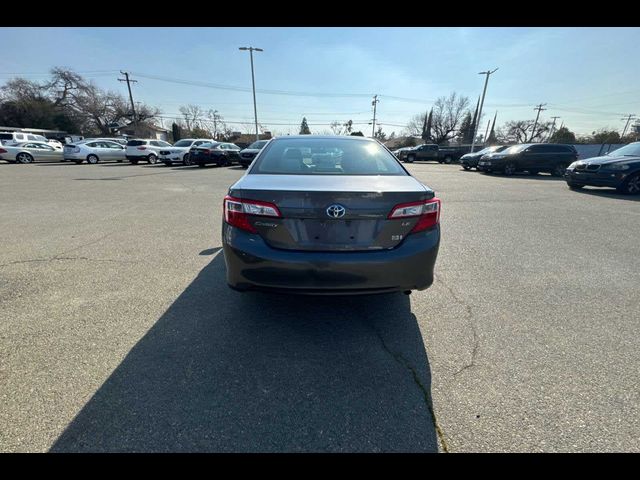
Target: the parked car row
pixel 192 151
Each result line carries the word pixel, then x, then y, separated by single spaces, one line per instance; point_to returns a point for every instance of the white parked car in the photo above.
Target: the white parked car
pixel 14 138
pixel 179 152
pixel 94 151
pixel 147 150
pixel 29 152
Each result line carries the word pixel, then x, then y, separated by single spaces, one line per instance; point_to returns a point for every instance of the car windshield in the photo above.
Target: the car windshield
pixel 631 150
pixel 259 144
pixel 326 156
pixel 183 143
pixel 515 149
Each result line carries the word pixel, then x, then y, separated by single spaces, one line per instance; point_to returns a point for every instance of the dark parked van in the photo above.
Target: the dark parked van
pixel 530 157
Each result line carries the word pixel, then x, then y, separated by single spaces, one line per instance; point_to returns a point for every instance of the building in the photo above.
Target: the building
pixel 243 140
pixel 143 130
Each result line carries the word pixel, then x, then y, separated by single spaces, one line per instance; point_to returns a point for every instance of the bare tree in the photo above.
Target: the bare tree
pixel 193 115
pixel 336 127
pixel 521 131
pixel 447 116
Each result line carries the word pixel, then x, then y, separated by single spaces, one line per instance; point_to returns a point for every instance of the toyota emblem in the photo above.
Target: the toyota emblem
pixel 336 211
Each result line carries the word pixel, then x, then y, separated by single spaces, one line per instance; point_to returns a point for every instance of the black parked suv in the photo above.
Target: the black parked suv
pixel 248 154
pixel 530 157
pixel 619 169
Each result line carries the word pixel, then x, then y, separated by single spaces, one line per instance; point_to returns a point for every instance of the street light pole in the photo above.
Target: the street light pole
pixel 253 82
pixel 484 92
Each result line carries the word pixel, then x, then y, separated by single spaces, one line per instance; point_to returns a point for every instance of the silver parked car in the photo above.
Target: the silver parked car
pixel 94 151
pixel 29 152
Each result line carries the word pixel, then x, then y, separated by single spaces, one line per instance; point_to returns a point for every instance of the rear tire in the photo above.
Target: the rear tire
pixel 24 158
pixel 631 186
pixel 574 186
pixel 558 170
pixel 92 159
pixel 466 167
pixel 152 159
pixel 447 160
pixel 410 159
pixel 185 160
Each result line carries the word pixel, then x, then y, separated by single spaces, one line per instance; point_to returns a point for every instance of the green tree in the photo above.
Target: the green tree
pixel 304 127
pixel 563 135
pixel 605 136
pixel 380 135
pixel 176 132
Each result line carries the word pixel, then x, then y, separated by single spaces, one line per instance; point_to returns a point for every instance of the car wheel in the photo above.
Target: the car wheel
pixel 509 169
pixel 466 167
pixel 447 160
pixel 410 159
pixel 558 170
pixel 134 162
pixel 152 159
pixel 24 158
pixel 92 159
pixel 631 186
pixel 574 186
pixel 185 160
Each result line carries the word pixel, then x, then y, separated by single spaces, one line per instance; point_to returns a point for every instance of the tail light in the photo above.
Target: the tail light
pixel 428 212
pixel 142 148
pixel 2 150
pixel 237 211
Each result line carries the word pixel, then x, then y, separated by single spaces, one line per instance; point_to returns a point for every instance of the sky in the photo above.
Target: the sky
pixel 586 76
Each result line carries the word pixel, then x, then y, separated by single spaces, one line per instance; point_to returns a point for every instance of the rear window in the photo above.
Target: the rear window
pixel 326 156
pixel 6 136
pixel 183 143
pixel 136 143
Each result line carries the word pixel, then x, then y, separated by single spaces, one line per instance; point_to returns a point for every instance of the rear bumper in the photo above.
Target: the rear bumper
pixel 252 264
pixel 595 179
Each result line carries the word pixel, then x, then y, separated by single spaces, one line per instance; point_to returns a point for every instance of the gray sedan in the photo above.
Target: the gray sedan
pixel 29 152
pixel 94 151
pixel 329 215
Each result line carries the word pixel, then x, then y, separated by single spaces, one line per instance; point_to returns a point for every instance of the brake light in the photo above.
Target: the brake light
pixel 428 212
pixel 237 211
pixel 142 148
pixel 2 150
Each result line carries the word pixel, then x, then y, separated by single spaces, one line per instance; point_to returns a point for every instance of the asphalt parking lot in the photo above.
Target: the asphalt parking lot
pixel 118 333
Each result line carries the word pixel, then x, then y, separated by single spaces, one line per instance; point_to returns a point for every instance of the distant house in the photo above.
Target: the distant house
pixel 144 130
pixel 243 140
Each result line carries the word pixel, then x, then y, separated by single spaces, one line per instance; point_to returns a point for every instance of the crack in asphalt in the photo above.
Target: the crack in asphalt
pixel 51 259
pixel 402 361
pixel 59 256
pixel 469 317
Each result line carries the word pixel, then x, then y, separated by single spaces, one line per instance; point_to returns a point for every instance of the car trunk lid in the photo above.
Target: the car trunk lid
pixel 330 212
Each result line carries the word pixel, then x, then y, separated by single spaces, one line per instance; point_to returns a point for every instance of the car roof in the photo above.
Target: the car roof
pixel 327 137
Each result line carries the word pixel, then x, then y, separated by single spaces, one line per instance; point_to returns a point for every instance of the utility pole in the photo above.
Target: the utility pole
pixel 552 128
pixel 484 92
pixel 628 119
pixel 486 134
pixel 133 108
pixel 535 124
pixel 253 82
pixel 374 103
pixel 215 125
